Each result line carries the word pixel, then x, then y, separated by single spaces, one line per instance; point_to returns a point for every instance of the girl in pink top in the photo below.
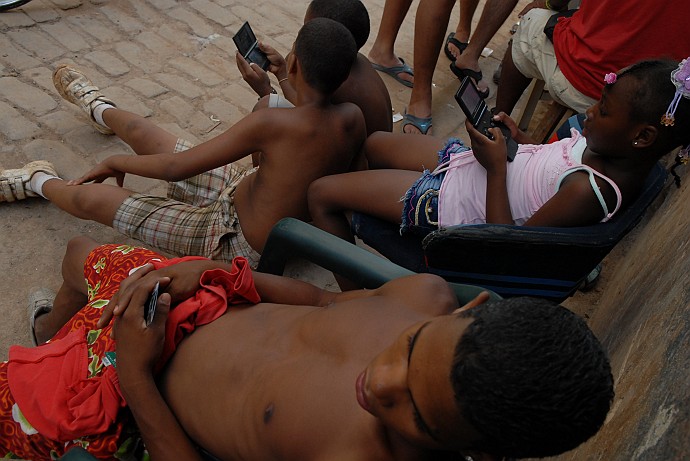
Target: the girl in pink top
pixel 576 181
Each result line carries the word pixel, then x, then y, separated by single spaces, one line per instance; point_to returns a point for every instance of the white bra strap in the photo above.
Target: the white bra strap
pixel 592 172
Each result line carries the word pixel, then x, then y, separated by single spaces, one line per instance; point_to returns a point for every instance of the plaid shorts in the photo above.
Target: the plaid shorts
pixel 197 218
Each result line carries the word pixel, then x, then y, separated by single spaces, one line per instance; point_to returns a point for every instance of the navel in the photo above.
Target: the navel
pixel 268 413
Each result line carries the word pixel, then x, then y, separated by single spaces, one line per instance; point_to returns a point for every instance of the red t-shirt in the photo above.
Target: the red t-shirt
pixel 606 35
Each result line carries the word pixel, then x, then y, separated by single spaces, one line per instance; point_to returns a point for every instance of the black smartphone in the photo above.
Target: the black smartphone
pixel 479 115
pixel 151 304
pixel 248 46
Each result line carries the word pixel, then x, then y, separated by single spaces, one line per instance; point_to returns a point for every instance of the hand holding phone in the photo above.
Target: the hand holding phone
pixel 248 46
pixel 151 304
pixel 479 115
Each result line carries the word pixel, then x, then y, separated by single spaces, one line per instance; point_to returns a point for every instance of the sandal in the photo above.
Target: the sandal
pixel 76 88
pixel 14 183
pixel 454 41
pixel 423 124
pixel 395 71
pixel 477 76
pixel 40 302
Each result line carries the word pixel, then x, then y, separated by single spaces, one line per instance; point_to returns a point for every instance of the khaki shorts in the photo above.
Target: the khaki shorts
pixel 197 218
pixel 534 57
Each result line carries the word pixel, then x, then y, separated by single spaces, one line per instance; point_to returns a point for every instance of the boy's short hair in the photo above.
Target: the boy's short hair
pixel 326 50
pixel 350 13
pixel 531 378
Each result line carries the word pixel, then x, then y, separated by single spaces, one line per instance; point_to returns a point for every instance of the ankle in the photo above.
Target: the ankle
pixel 38 180
pixel 98 113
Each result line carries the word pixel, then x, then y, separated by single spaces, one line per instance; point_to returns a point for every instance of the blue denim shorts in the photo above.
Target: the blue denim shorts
pixel 420 204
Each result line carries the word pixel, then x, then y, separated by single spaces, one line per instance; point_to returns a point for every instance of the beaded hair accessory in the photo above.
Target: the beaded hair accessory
pixel 681 79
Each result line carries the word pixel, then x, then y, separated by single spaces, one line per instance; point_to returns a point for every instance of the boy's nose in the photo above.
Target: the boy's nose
pixel 390 385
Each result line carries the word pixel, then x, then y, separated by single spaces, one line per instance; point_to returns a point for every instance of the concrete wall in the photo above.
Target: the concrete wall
pixel 643 319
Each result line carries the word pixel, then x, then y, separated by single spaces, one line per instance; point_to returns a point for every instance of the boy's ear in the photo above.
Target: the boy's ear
pixel 292 63
pixel 646 136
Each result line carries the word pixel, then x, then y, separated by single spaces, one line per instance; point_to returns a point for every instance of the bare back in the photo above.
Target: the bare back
pixel 279 381
pixel 299 145
pixel 365 88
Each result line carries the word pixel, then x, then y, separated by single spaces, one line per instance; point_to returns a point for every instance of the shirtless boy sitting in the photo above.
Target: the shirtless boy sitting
pixel 216 209
pixel 363 86
pixel 305 374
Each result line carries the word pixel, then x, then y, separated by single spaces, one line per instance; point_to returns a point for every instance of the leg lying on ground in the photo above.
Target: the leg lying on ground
pixel 72 295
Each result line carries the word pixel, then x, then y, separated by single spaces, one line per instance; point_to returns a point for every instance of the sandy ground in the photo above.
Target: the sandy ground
pixel 173 61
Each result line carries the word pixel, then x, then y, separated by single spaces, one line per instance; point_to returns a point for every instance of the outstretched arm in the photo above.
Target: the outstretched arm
pixel 240 140
pixel 138 348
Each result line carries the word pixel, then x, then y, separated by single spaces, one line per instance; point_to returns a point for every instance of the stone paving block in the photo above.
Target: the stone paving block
pixel 145 13
pixel 178 108
pixel 117 148
pixel 179 84
pixel 163 4
pixel 200 123
pixel 241 96
pixel 67 36
pixel 197 71
pixel 198 25
pixel 41 11
pixel 223 62
pixel 61 122
pixel 214 12
pixel 37 43
pixel 16 18
pixel 257 21
pixel 101 31
pixel 180 132
pixel 283 22
pixel 14 125
pixel 160 47
pixel 14 57
pixel 184 41
pixel 28 97
pixel 138 56
pixel 68 164
pixel 86 141
pixel 146 87
pixel 67 4
pixel 42 77
pixel 111 64
pixel 221 109
pixel 121 19
pixel 129 101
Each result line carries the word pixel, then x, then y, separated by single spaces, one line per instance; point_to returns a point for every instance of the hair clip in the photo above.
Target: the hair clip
pixel 681 79
pixel 610 78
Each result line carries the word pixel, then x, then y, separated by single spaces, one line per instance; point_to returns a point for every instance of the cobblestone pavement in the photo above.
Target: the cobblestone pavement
pixel 170 60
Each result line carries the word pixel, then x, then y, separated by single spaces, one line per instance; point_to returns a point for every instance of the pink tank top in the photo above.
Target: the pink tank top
pixel 532 179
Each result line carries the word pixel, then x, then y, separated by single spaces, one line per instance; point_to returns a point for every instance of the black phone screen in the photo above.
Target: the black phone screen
pixel 248 46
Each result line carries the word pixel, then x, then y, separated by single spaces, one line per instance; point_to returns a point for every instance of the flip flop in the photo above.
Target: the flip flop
pixel 421 123
pixel 460 45
pixel 395 71
pixel 473 74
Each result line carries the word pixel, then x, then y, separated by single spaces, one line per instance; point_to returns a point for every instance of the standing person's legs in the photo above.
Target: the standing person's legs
pixel 382 53
pixel 429 32
pixel 464 27
pixel 493 16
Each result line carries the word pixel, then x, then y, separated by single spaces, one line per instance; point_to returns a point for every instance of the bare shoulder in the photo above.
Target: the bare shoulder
pixel 425 293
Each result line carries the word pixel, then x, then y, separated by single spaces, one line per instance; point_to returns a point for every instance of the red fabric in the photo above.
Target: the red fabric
pixel 51 383
pixel 606 35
